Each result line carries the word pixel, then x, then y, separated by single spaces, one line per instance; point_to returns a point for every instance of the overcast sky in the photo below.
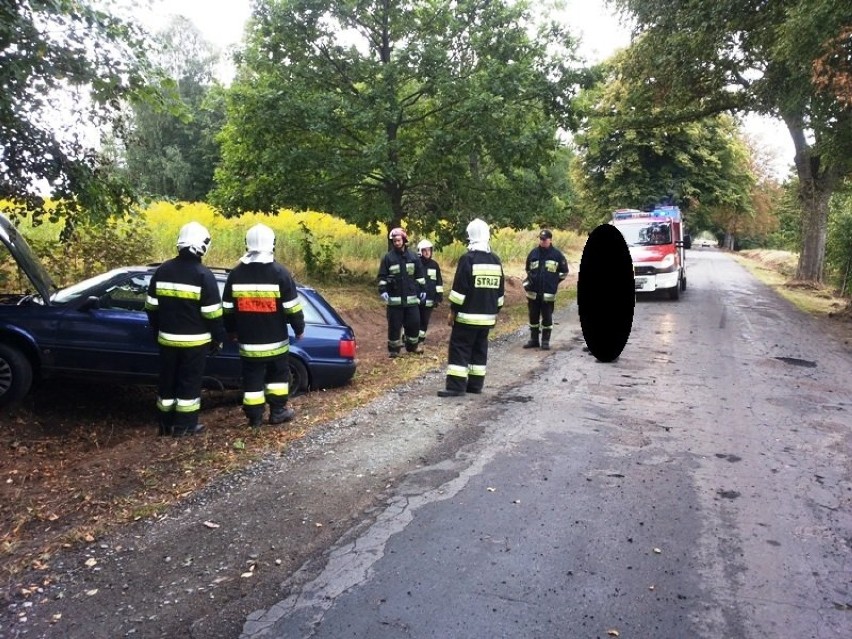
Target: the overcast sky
pixel 222 21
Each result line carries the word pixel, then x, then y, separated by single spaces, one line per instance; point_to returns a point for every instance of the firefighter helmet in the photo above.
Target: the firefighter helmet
pixel 423 244
pixel 194 236
pixel 477 231
pixel 400 232
pixel 260 239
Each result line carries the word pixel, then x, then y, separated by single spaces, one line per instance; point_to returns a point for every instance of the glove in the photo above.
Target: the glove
pixel 215 347
pixel 451 318
pixel 385 297
pixel 422 297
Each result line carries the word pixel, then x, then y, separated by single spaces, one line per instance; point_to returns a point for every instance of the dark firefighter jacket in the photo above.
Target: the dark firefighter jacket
pixel 183 305
pixel 546 268
pixel 259 301
pixel 401 276
pixel 477 294
pixel 434 282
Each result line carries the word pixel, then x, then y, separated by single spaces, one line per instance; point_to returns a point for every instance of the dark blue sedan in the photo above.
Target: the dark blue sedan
pixel 97 330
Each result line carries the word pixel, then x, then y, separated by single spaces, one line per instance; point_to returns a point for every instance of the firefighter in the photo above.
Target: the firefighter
pixel 185 313
pixel 546 267
pixel 402 287
pixel 259 301
pixel 475 300
pixel 434 288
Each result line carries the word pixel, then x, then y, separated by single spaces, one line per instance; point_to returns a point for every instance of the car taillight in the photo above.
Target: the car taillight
pixel 346 348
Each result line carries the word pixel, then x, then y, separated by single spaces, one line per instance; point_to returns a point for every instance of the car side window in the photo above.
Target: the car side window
pixel 129 295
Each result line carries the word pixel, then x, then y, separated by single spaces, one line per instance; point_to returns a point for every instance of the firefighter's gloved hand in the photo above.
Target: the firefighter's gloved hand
pixel 451 318
pixel 385 297
pixel 422 297
pixel 215 347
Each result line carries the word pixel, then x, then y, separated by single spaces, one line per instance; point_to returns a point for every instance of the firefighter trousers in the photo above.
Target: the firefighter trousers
pixel 407 319
pixel 265 381
pixel 539 309
pixel 179 388
pixel 425 315
pixel 468 354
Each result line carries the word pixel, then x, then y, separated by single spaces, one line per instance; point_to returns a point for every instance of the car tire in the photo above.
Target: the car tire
pixel 299 380
pixel 674 292
pixel 16 375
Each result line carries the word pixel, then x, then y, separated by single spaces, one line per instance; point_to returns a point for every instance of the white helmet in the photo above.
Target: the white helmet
pixel 194 236
pixel 423 244
pixel 260 245
pixel 477 232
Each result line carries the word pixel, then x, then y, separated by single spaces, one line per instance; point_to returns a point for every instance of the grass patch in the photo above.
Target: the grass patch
pixel 777 270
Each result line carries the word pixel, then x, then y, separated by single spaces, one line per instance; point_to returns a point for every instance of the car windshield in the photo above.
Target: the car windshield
pixel 646 234
pixel 80 289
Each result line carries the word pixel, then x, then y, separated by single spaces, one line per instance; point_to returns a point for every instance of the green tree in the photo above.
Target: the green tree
pixel 90 62
pixel 693 58
pixel 172 154
pixel 382 110
pixel 839 244
pixel 702 166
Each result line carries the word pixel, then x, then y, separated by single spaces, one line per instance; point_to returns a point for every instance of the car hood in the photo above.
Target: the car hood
pixel 29 264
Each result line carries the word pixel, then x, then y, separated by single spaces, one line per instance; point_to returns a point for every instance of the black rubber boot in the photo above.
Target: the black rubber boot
pixel 545 340
pixel 281 415
pixel 533 343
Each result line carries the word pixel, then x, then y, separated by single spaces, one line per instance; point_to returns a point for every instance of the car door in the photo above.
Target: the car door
pixel 107 333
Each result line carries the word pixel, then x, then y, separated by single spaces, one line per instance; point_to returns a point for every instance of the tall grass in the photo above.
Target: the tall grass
pixel 357 253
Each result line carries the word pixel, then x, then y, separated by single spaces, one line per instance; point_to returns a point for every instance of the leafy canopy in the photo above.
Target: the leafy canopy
pixel 65 68
pixel 625 161
pixel 382 110
pixel 171 154
pixel 699 58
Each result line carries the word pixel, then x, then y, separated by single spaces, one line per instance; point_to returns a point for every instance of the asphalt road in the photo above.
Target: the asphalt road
pixel 697 487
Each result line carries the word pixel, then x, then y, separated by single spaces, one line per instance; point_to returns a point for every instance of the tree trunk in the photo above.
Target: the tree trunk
pixel 816 184
pixel 814 199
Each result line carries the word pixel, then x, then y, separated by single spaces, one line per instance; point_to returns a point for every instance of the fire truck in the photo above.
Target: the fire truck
pixel 656 240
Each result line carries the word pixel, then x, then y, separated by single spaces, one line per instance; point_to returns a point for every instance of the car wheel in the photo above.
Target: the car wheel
pixel 16 375
pixel 674 292
pixel 299 380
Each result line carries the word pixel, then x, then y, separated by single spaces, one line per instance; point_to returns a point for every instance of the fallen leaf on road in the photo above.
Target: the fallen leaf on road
pixel 92 592
pixel 613 633
pixel 211 524
pixel 490 489
pixel 657 550
pixel 91 561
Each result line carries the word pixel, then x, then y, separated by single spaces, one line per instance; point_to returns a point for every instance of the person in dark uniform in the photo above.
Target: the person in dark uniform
pixel 475 300
pixel 185 314
pixel 546 267
pixel 434 288
pixel 259 301
pixel 402 286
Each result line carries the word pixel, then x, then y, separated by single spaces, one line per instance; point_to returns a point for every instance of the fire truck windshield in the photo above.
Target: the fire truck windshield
pixel 646 234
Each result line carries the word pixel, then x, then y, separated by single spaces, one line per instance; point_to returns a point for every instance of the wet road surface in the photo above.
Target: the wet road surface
pixel 699 486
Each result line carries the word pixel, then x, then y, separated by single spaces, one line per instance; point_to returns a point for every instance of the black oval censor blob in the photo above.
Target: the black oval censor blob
pixel 605 293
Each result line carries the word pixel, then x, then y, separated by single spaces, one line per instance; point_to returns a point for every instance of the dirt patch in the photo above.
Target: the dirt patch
pixel 80 459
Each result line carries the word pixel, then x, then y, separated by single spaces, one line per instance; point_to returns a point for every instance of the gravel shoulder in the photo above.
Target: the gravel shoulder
pixel 201 567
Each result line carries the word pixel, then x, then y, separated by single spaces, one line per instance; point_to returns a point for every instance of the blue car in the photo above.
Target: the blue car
pixel 97 330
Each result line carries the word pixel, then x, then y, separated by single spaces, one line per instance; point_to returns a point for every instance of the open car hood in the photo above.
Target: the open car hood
pixel 20 250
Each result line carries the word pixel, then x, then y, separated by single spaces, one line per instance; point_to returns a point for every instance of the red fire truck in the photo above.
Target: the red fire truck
pixel 656 240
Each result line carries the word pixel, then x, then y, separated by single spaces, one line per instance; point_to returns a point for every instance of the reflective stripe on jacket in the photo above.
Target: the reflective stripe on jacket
pixel 478 287
pixel 183 304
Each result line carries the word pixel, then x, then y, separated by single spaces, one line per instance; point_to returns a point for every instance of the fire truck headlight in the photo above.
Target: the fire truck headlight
pixel 667 262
